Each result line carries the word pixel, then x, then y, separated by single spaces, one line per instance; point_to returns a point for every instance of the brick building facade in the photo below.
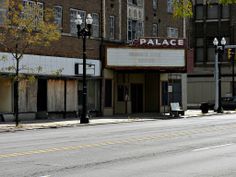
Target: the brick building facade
pixel 210 20
pixel 111 91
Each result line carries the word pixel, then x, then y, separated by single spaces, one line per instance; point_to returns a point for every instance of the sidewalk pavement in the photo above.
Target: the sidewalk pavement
pixel 57 123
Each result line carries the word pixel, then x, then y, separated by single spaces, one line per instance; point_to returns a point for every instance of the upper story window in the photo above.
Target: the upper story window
pixel 3 11
pixel 170 6
pixel 154 4
pixel 199 1
pixel 212 11
pixel 225 11
pixel 136 2
pixel 135 29
pixel 112 27
pixel 73 14
pixel 172 32
pixel 58 15
pixel 154 30
pixel 29 10
pixel 199 12
pixel 95 27
pixel 140 3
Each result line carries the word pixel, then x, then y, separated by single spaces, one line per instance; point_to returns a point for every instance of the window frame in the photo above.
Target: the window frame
pixel 73 26
pixel 154 29
pixel 207 11
pixel 169 6
pixel 154 4
pixel 58 16
pixel 32 4
pixel 111 27
pixel 172 32
pixel 3 12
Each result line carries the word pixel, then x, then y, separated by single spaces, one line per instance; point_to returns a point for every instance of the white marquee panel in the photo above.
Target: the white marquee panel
pixel 127 57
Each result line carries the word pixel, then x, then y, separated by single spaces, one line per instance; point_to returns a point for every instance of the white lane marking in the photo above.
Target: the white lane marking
pixel 212 147
pixel 45 176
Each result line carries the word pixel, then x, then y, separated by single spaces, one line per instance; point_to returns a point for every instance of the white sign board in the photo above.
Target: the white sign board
pixel 90 69
pixel 140 57
pixel 50 64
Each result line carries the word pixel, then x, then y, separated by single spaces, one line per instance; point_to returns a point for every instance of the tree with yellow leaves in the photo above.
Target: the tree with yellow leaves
pixel 24 25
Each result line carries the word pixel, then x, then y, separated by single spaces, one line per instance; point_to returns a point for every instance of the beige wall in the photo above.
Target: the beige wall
pixel 6 95
pixel 28 96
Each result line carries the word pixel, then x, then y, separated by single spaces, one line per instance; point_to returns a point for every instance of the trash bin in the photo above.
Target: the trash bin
pixel 204 107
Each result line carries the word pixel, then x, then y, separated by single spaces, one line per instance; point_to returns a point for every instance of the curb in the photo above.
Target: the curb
pixel 23 127
pixel 13 129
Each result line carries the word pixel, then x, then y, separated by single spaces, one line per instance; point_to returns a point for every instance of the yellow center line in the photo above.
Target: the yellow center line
pixel 162 136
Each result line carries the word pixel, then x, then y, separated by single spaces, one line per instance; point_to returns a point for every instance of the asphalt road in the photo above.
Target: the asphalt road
pixel 195 147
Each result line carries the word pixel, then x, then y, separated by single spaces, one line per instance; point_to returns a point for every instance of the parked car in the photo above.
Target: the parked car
pixel 227 103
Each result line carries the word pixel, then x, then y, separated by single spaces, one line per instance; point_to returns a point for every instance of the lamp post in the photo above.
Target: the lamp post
pixel 84 33
pixel 219 50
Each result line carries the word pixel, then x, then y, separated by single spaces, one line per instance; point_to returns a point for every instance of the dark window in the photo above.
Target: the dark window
pixel 122 91
pixel 42 95
pixel 199 55
pixel 199 12
pixel 177 92
pixel 108 93
pixel 225 12
pixel 199 50
pixel 164 93
pixel 211 53
pixel 212 11
pixel 199 1
pixel 212 29
pixel 199 29
pixel 135 2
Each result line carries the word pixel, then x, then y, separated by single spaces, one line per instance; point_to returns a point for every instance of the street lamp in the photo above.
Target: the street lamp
pixel 84 33
pixel 219 49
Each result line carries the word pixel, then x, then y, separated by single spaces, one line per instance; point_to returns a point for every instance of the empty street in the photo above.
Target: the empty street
pixel 194 147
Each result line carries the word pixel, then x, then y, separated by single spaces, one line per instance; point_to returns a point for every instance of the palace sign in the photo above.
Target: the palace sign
pixel 161 42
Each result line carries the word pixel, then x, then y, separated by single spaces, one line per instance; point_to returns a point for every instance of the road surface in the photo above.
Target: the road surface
pixel 194 147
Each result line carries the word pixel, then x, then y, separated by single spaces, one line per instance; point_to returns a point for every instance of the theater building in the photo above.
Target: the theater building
pixel 137 76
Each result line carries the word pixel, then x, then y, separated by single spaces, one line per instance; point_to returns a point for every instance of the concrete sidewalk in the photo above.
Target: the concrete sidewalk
pixel 57 123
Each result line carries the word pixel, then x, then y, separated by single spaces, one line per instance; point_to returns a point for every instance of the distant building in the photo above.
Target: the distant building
pixel 210 20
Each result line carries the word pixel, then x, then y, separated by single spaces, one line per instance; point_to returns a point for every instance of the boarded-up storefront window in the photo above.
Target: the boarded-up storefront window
pixel 27 96
pixel 71 95
pixel 55 95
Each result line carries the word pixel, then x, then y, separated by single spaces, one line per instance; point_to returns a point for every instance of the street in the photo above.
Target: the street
pixel 194 147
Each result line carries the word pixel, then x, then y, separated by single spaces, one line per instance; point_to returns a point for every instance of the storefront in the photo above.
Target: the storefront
pixel 137 77
pixel 56 88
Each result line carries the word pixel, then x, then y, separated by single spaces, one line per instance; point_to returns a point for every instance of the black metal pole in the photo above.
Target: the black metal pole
pixel 84 118
pixel 221 52
pixel 233 92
